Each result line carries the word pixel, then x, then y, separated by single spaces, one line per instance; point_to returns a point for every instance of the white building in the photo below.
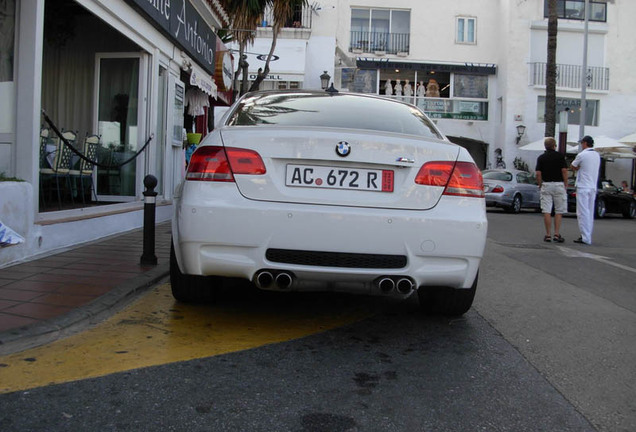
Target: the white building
pixel 475 66
pixel 123 70
pixel 487 59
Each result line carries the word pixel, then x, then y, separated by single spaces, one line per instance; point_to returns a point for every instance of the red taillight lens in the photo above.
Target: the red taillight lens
pixel 497 189
pixel 460 178
pixel 243 161
pixel 215 163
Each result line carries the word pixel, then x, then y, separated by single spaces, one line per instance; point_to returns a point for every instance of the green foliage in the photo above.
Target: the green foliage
pixel 4 178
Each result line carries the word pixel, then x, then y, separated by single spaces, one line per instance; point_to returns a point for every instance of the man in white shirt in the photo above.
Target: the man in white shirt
pixel 586 164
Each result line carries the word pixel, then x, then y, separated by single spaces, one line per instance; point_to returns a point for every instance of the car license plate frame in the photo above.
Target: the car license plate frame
pixel 330 177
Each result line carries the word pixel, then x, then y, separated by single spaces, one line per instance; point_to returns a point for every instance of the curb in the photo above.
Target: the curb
pixel 31 336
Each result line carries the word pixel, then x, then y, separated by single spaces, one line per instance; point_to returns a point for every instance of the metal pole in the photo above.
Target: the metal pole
pixel 150 196
pixel 584 73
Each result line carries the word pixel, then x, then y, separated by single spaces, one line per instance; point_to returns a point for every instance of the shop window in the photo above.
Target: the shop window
pixel 592 108
pixel 466 30
pixel 470 86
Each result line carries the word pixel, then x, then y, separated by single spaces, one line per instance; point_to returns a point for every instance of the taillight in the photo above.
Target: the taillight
pixel 459 178
pixel 215 163
pixel 497 189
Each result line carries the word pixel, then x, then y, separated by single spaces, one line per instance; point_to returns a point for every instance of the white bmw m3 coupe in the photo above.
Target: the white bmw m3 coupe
pixel 318 191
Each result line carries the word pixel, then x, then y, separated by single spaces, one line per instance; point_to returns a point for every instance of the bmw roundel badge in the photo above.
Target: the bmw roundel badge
pixel 343 149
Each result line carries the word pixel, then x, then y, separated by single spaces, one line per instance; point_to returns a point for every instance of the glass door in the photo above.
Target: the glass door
pixel 119 123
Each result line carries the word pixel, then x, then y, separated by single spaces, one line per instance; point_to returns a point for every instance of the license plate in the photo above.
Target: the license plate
pixel 316 176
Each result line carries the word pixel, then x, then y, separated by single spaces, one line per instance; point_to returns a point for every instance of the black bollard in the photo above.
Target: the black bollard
pixel 148 257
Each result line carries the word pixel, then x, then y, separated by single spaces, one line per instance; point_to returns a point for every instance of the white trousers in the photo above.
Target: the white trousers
pixel 585 201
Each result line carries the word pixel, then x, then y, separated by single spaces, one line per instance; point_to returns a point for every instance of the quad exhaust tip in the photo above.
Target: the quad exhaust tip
pixel 266 280
pixel 402 285
pixel 284 280
pixel 386 285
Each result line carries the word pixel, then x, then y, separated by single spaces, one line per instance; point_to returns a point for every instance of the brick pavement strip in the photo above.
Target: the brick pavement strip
pixel 56 296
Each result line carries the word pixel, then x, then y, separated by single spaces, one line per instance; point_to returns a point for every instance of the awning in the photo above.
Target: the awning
pixel 198 77
pixel 468 68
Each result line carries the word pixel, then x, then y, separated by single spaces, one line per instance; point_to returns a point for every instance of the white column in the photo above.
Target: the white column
pixel 29 93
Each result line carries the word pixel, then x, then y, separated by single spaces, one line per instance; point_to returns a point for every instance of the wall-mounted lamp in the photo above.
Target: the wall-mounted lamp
pixel 521 129
pixel 324 80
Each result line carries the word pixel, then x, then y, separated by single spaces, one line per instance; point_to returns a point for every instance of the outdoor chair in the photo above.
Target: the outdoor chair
pixel 83 170
pixel 56 165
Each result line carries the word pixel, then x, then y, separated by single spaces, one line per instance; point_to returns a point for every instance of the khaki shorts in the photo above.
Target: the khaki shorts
pixel 553 192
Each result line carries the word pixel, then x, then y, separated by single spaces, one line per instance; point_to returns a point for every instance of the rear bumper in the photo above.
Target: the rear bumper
pixel 228 235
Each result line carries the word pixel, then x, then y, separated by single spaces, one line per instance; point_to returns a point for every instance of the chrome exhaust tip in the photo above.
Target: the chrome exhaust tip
pixel 405 286
pixel 284 280
pixel 264 279
pixel 386 285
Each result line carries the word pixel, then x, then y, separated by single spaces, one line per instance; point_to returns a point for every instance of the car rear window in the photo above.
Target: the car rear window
pixel 339 111
pixel 497 175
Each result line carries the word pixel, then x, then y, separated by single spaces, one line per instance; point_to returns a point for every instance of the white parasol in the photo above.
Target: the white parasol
pixel 539 146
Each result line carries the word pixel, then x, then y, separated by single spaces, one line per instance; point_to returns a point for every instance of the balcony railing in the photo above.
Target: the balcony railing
pixel 371 42
pixel 569 76
pixel 301 19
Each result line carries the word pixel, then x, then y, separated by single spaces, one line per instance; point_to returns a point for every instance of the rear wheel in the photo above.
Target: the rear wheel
pixel 189 288
pixel 630 210
pixel 515 207
pixel 600 208
pixel 446 301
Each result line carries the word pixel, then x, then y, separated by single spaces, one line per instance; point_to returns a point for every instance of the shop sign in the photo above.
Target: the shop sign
pixel 454 109
pixel 184 26
pixel 223 74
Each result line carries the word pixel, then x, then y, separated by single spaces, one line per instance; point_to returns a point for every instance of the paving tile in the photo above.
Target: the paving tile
pixel 37 311
pixel 34 285
pixel 8 322
pixel 5 281
pixel 18 295
pixel 16 273
pixel 88 290
pixel 7 303
pixel 57 299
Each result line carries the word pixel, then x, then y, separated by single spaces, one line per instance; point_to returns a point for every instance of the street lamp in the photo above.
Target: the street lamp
pixel 521 129
pixel 324 80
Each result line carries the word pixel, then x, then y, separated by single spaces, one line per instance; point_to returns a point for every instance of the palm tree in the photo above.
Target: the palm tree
pixel 551 70
pixel 282 12
pixel 245 16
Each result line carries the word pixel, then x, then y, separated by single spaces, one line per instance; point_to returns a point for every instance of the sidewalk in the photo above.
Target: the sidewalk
pixel 52 297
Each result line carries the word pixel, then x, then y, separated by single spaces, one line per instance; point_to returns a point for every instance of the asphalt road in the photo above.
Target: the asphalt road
pixel 549 346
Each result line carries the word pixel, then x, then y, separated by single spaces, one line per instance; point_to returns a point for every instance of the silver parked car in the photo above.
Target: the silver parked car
pixel 511 189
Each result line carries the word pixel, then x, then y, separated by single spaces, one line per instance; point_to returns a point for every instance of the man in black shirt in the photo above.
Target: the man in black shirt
pixel 552 178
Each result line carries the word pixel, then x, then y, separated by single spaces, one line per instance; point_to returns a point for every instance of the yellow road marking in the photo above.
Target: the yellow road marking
pixel 157 330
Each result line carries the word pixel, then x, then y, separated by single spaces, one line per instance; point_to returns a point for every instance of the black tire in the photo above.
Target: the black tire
pixel 515 207
pixel 600 209
pixel 189 288
pixel 446 301
pixel 630 210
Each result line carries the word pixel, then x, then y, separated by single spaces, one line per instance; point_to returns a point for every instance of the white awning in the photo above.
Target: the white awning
pixel 203 80
pixel 198 77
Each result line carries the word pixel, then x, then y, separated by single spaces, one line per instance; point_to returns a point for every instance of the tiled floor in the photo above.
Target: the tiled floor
pixel 46 288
